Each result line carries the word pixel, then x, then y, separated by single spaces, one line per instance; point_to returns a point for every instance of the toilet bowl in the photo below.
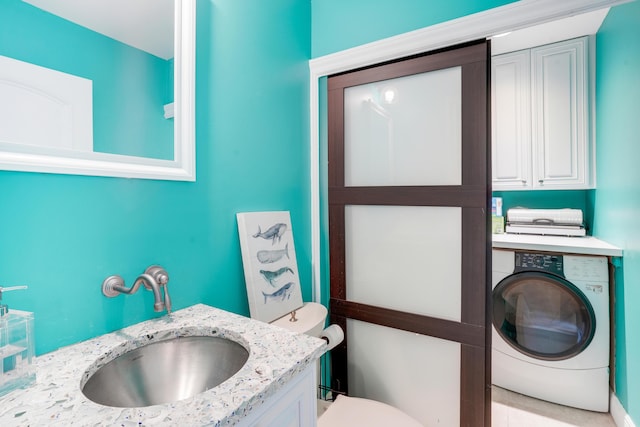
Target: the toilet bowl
pixel 344 411
pixel 354 411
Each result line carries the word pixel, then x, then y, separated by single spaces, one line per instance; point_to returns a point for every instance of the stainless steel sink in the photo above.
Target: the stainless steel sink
pixel 165 371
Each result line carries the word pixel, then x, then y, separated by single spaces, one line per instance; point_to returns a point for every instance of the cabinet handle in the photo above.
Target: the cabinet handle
pixel 541 181
pixel 524 182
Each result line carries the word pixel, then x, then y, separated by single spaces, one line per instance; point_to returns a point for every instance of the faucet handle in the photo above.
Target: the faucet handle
pixel 158 273
pixel 161 277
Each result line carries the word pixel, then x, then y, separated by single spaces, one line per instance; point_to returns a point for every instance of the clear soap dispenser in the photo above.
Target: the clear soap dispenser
pixel 16 346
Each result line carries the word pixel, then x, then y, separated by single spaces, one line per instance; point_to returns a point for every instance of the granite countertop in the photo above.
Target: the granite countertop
pixel 275 356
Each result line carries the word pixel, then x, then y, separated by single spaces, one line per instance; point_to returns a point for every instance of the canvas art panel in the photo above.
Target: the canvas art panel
pixel 270 266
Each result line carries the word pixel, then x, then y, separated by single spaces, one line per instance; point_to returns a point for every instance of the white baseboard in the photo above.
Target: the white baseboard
pixel 618 413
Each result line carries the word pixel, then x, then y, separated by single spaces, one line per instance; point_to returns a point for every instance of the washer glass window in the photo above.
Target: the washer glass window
pixel 542 315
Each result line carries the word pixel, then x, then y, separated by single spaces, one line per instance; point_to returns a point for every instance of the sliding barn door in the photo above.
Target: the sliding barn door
pixel 409 234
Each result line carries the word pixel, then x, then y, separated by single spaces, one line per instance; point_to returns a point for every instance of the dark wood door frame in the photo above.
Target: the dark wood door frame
pixel 473 332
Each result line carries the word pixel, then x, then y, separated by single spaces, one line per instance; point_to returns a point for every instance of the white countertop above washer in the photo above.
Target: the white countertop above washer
pixel 578 245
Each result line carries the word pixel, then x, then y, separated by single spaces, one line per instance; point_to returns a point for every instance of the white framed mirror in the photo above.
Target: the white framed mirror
pixel 88 135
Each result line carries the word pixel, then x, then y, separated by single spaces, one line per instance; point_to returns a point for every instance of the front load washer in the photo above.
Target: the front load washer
pixel 551 327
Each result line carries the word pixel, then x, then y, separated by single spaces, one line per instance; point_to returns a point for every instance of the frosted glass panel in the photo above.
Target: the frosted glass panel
pixel 404 131
pixel 417 374
pixel 405 258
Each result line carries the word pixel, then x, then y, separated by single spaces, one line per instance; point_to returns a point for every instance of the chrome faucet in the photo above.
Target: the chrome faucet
pixel 153 278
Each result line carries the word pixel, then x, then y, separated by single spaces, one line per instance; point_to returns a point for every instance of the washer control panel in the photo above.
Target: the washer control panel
pixel 531 261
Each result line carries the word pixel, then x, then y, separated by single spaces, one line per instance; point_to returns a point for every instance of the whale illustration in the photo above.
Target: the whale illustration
pixel 283 293
pixel 267 257
pixel 272 276
pixel 274 232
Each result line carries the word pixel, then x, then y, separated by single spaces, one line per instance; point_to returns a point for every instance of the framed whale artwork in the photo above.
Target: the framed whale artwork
pixel 270 266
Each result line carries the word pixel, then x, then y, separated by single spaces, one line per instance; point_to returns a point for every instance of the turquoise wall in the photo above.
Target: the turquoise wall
pixel 63 235
pixel 129 86
pixel 617 199
pixel 339 25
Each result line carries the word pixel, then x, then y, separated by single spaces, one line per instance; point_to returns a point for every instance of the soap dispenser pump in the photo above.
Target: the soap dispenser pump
pixel 16 346
pixel 4 308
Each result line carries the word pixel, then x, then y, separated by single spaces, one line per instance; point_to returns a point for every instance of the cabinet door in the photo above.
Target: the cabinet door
pixel 560 115
pixel 294 405
pixel 511 118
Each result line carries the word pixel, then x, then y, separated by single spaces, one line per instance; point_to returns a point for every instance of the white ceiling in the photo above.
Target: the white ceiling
pixel 144 24
pixel 550 32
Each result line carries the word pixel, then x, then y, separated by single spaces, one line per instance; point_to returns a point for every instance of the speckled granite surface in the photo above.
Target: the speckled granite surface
pixel 276 355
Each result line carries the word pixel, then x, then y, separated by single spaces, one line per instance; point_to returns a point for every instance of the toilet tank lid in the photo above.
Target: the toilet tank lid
pixel 310 317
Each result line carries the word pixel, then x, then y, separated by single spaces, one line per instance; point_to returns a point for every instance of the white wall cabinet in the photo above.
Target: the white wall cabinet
pixel 540 110
pixel 511 120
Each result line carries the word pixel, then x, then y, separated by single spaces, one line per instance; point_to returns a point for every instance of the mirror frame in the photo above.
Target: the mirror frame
pixel 181 168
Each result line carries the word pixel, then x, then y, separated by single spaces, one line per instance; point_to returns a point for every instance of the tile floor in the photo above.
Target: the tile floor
pixel 510 409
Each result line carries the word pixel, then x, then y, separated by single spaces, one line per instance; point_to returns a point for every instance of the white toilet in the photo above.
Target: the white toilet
pixel 355 412
pixel 344 411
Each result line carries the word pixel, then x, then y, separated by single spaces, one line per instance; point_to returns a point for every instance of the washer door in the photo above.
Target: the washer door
pixel 542 315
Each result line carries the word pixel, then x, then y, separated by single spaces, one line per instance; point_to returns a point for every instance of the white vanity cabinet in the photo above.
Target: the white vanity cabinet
pixel 276 387
pixel 294 405
pixel 540 110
